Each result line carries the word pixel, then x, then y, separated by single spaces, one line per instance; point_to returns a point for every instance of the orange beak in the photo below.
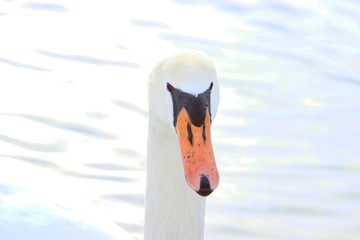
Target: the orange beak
pixel 197 154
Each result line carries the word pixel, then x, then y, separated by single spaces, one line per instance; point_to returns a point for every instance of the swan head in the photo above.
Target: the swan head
pixel 184 93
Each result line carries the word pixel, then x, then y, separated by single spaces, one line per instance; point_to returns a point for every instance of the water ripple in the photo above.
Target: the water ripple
pixel 271 26
pixel 6 189
pixel 22 65
pixel 130 106
pixel 149 24
pixel 45 6
pixel 70 126
pixel 127 153
pixel 87 59
pixel 98 177
pixel 291 210
pixel 229 6
pixel 134 199
pixel 36 161
pixel 109 166
pixel 342 78
pixel 174 37
pixel 55 167
pixel 58 146
pixel 209 46
pixel 97 115
pixel 282 8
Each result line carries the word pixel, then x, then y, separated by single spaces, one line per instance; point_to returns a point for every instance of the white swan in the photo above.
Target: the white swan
pixel 183 100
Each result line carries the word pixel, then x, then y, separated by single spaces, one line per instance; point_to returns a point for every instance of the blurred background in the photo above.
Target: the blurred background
pixel 73 114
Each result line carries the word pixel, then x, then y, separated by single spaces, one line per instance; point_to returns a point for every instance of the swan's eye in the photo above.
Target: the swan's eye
pixel 190 134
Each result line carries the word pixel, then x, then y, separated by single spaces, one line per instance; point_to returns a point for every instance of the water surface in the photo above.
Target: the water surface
pixel 73 115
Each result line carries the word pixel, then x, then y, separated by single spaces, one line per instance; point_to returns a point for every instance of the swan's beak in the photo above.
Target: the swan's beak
pixel 197 154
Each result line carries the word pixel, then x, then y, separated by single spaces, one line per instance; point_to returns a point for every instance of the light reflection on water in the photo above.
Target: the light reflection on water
pixel 73 113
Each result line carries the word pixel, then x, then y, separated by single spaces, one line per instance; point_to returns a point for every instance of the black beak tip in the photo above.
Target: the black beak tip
pixel 205 189
pixel 204 193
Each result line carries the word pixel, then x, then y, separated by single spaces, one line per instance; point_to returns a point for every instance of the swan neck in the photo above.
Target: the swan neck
pixel 173 210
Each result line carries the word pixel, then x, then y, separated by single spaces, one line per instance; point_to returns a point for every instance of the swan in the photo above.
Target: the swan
pixel 183 96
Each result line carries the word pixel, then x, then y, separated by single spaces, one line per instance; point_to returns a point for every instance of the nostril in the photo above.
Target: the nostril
pixel 190 134
pixel 205 189
pixel 203 132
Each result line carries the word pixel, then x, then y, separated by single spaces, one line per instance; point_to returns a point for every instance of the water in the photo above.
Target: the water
pixel 73 114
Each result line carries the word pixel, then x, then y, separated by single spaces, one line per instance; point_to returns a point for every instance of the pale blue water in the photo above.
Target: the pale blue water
pixel 73 115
